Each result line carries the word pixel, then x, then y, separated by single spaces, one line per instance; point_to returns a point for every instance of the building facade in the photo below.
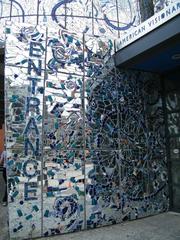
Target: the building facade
pixel 85 139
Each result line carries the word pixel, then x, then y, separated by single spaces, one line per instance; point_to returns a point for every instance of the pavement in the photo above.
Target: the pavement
pixel 165 226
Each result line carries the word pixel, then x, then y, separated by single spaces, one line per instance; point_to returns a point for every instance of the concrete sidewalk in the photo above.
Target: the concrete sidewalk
pixel 164 226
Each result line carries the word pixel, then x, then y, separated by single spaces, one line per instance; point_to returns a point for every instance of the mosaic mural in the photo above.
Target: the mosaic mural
pixel 85 141
pixel 96 17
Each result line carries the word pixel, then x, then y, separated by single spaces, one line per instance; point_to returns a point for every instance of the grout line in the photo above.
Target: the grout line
pixel 84 135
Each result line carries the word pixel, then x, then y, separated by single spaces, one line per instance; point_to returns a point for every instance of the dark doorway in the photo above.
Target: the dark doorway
pixel 1 87
pixel 3 206
pixel 172 101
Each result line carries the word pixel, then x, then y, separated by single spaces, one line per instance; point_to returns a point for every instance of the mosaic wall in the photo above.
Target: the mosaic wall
pixel 85 141
pixel 97 17
pixel 94 17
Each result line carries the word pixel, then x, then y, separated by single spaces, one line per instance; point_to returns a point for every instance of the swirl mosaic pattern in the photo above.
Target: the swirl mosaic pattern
pixel 85 140
pixel 94 17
